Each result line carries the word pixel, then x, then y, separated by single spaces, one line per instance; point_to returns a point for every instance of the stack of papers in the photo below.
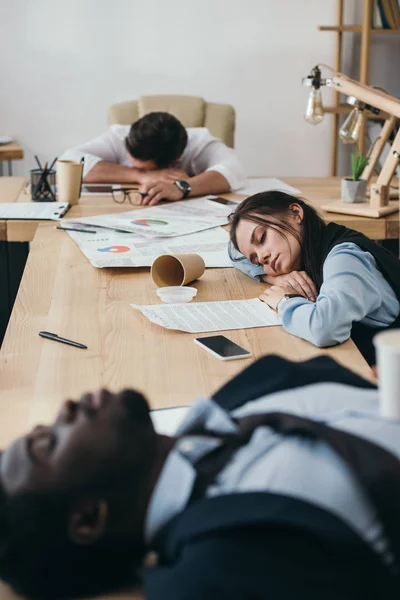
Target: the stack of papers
pixel 200 317
pixel 136 237
pixel 107 248
pixel 33 211
pixel 170 220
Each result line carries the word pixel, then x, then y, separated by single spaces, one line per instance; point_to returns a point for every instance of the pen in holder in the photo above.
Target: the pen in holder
pixel 43 182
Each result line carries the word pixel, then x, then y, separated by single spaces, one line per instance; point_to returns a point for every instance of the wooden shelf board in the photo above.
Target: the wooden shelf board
pixel 358 29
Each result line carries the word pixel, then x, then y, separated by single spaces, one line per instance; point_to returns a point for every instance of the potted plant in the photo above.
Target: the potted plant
pixel 354 189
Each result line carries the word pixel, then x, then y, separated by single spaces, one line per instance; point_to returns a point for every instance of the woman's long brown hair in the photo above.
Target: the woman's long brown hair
pixel 259 207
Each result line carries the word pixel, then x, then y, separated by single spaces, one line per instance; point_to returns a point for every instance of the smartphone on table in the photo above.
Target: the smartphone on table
pixel 222 347
pixel 223 201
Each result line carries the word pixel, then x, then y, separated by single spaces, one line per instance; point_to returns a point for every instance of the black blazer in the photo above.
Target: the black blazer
pixel 261 545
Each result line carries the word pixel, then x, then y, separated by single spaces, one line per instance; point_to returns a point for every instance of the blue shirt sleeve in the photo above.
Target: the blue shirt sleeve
pixel 353 289
pixel 243 264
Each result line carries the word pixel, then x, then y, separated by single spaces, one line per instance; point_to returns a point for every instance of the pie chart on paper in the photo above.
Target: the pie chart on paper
pixel 114 249
pixel 148 222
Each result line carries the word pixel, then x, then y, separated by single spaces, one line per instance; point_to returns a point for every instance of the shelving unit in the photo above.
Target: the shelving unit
pixel 367 30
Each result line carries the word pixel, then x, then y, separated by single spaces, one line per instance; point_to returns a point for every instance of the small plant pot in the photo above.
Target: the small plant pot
pixel 354 191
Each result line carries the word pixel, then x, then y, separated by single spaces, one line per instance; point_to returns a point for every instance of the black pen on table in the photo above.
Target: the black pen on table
pixel 76 229
pixel 56 338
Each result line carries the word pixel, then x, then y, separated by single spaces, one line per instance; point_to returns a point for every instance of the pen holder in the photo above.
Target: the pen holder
pixel 43 185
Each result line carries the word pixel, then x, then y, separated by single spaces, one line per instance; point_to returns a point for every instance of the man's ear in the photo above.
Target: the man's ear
pixel 87 521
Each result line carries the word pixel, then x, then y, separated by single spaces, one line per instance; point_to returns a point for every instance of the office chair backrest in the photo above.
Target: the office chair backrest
pixel 192 111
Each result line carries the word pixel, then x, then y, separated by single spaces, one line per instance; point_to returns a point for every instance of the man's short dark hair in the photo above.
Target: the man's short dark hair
pixel 39 562
pixel 157 136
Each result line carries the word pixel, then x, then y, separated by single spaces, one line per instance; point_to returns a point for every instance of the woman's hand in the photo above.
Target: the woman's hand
pixel 299 281
pixel 275 293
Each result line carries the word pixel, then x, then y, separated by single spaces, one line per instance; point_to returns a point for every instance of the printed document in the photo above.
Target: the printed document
pixel 263 184
pixel 36 211
pixel 169 220
pixel 107 248
pixel 200 317
pixel 167 420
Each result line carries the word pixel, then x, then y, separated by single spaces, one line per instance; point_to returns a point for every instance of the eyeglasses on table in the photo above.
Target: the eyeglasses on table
pixel 132 195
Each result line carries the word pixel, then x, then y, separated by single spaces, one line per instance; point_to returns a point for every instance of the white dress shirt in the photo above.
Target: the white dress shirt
pixel 203 152
pixel 294 466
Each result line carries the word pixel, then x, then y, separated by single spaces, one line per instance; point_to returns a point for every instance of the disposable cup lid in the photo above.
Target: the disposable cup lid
pixel 175 293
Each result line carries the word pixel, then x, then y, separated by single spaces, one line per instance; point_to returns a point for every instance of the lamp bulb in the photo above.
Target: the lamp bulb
pixel 350 130
pixel 314 110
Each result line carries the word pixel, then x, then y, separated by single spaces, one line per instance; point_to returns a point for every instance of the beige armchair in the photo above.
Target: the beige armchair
pixel 192 111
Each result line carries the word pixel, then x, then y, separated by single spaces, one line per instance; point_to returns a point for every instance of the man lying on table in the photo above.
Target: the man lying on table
pixel 168 161
pixel 283 485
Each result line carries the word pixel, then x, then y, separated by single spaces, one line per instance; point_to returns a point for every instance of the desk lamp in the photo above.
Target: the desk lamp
pixel 375 100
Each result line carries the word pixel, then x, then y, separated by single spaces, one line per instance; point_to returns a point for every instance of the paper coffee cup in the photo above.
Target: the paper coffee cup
pixel 387 346
pixel 69 181
pixel 177 269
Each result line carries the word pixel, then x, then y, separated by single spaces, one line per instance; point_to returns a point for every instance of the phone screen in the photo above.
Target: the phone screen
pixel 222 345
pixel 224 201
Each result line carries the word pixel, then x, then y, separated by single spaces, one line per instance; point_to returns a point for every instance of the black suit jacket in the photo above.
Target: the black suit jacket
pixel 262 545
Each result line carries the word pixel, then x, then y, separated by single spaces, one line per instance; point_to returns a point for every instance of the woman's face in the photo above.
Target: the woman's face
pixel 265 246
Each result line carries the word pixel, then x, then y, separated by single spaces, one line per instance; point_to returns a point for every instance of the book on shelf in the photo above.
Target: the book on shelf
pixel 389 11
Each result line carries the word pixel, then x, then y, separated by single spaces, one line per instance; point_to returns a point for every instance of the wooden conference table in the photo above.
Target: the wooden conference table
pixel 61 292
pixel 14 235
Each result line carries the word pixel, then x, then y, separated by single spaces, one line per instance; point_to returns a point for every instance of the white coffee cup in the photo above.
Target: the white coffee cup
pixel 387 346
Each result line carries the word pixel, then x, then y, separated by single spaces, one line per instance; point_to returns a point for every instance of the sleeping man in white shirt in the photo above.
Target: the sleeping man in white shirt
pixel 168 161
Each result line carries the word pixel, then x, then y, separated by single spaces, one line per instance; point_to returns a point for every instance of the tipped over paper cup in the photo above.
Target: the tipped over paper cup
pixel 69 181
pixel 387 346
pixel 177 269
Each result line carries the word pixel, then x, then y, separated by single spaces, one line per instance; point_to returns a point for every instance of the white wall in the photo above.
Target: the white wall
pixel 63 64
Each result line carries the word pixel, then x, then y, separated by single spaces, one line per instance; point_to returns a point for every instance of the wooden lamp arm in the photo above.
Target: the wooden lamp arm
pixel 377 147
pixel 365 93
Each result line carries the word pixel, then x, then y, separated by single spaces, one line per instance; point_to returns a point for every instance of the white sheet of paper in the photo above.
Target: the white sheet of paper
pixel 108 248
pixel 200 317
pixel 169 220
pixel 36 211
pixel 167 420
pixel 266 184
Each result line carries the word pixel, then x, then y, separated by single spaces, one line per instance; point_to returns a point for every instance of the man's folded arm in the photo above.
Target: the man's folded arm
pixel 215 158
pixel 107 172
pixel 210 182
